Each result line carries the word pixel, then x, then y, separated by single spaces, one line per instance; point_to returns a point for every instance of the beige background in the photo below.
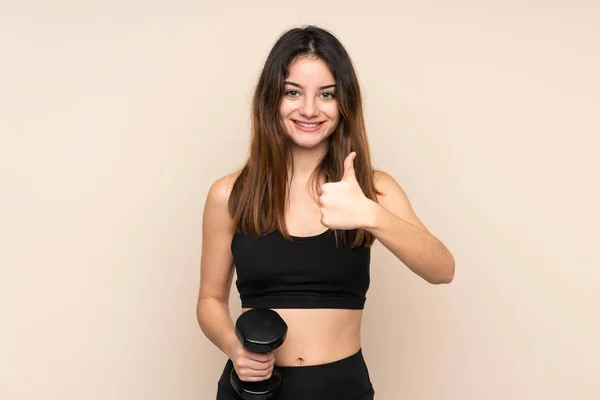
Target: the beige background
pixel 116 116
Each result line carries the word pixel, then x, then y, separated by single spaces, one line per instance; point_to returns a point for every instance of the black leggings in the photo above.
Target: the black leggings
pixel 345 379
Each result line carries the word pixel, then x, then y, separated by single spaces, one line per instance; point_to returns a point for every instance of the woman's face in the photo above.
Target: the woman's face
pixel 309 109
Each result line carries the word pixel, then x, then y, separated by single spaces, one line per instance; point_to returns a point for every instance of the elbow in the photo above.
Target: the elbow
pixel 441 268
pixel 206 306
pixel 201 311
pixel 446 279
pixel 444 275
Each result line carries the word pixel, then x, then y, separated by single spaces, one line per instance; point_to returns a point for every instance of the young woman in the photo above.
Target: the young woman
pixel 297 223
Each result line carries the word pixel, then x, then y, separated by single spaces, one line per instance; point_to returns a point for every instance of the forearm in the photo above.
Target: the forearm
pixel 216 323
pixel 418 249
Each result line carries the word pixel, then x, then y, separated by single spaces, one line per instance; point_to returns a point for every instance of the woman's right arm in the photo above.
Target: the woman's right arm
pixel 216 268
pixel 216 275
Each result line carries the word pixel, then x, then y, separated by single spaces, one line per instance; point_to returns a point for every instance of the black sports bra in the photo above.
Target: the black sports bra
pixel 310 272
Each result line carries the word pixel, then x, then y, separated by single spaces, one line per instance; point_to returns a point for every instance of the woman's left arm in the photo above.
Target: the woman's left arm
pixel 394 223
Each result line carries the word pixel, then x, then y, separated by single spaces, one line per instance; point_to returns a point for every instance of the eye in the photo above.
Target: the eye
pixel 292 93
pixel 328 95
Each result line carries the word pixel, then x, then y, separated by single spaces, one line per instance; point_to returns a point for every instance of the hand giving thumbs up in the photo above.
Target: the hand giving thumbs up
pixel 343 204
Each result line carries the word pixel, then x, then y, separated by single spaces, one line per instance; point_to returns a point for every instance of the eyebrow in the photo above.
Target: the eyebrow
pixel 300 86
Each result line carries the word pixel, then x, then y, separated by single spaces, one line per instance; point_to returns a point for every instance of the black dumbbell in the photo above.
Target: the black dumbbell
pixel 260 330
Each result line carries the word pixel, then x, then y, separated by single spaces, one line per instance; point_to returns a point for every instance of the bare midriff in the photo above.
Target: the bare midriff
pixel 318 336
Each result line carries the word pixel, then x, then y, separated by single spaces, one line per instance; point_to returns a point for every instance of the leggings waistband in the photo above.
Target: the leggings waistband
pixel 344 379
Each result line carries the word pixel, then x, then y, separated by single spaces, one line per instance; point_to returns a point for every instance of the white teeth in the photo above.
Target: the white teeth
pixel 308 125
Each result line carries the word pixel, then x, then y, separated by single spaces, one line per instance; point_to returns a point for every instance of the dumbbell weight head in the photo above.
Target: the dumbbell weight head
pixel 262 390
pixel 260 330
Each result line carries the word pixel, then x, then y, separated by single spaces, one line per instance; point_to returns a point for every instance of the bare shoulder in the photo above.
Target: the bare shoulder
pixel 385 183
pixel 394 199
pixel 221 188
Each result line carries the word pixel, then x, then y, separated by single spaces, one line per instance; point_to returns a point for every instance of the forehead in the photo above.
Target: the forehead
pixel 310 71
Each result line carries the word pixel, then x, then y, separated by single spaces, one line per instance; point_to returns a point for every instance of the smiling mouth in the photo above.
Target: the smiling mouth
pixel 307 125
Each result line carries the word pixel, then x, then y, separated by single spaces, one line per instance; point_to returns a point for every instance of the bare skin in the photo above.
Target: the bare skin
pixel 318 336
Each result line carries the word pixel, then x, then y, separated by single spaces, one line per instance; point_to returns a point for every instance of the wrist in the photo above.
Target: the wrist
pixel 370 216
pixel 229 344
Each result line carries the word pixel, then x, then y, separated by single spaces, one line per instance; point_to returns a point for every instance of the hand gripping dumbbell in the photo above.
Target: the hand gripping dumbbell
pixel 260 330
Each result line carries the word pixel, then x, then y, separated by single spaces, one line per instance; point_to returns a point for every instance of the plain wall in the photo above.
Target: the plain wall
pixel 116 117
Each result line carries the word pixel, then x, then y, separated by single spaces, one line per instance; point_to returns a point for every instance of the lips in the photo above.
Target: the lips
pixel 308 126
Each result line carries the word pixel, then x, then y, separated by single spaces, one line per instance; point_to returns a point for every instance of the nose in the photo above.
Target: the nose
pixel 308 108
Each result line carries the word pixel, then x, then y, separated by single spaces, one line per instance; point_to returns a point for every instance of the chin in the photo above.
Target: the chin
pixel 305 144
pixel 308 142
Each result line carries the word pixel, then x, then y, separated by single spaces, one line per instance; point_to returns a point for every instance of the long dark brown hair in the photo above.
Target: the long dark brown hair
pixel 259 194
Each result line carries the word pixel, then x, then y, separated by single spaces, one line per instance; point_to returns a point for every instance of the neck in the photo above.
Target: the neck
pixel 306 160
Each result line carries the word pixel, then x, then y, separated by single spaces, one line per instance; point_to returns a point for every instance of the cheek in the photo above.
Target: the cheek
pixel 285 108
pixel 330 107
pixel 333 112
